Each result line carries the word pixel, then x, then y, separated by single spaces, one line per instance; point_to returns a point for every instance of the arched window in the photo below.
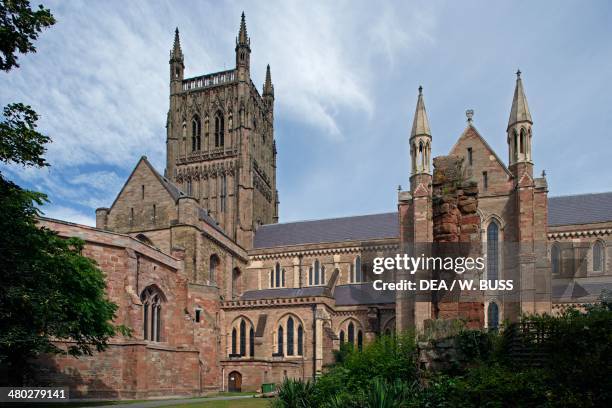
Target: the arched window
pixel 515 145
pixel 151 299
pixel 341 337
pixel 214 264
pixel 219 130
pixel 279 349
pixel 300 341
pixel 189 189
pixel 493 316
pixel 555 259
pixel 277 271
pixel 351 333
pixel 598 256
pixel 223 193
pixel 234 341
pixel 359 340
pixel 196 133
pixel 492 251
pixel 252 342
pixel 316 274
pixel 290 336
pixel 522 142
pixel 358 270
pixel 242 338
pixel 144 239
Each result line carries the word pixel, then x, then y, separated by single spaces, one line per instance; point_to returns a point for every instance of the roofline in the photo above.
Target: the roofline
pixel 328 219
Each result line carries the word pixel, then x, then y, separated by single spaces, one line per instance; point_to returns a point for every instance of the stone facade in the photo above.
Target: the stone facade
pixel 235 299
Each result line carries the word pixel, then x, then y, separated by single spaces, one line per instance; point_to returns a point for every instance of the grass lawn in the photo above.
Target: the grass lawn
pixel 241 403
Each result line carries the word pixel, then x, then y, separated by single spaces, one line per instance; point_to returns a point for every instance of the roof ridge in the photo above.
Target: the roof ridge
pixel 327 219
pixel 581 194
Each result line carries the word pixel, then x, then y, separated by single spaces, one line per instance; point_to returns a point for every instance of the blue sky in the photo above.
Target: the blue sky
pixel 345 75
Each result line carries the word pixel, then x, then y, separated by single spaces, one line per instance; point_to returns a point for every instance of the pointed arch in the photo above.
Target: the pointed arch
pixel 599 258
pixel 152 298
pixel 555 258
pixel 290 337
pixel 522 142
pixel 493 316
pixel 196 133
pixel 219 129
pixel 300 340
pixel 213 266
pixel 493 251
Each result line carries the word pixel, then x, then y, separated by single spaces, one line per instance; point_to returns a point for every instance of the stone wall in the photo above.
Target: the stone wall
pixel 456 233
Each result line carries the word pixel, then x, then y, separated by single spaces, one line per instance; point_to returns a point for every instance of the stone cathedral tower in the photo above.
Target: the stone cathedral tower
pixel 220 142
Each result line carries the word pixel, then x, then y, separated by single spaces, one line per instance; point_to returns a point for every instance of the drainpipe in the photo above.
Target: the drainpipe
pixel 314 341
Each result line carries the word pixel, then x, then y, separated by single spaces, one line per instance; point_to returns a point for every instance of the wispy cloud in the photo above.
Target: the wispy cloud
pixel 345 76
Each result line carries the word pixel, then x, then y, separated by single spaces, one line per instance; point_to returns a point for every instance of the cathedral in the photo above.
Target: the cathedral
pixel 222 297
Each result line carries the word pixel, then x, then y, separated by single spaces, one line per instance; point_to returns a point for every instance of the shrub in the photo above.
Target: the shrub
pixel 294 394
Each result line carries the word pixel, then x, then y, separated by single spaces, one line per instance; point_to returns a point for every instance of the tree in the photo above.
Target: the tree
pixel 49 291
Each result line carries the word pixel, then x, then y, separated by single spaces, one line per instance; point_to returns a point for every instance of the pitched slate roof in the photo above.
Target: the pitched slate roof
pixel 284 293
pixel 361 227
pixel 574 290
pixel 362 294
pixel 580 209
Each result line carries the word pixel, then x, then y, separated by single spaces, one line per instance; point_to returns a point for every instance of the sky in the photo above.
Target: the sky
pixel 345 76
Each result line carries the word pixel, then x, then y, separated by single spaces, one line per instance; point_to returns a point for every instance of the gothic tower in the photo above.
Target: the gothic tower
pixel 519 133
pixel 220 142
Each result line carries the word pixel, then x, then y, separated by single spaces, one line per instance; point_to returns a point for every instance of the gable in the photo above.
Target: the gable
pixel 145 201
pixel 484 160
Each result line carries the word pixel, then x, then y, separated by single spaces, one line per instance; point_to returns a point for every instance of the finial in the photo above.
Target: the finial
pixel 420 90
pixel 543 173
pixel 518 74
pixel 470 115
pixel 399 187
pixel 176 31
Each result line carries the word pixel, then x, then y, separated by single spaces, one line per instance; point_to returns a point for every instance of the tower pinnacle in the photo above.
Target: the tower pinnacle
pixel 520 109
pixel 420 124
pixel 268 88
pixel 243 37
pixel 176 53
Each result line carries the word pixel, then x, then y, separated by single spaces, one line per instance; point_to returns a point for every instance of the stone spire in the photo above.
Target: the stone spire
pixel 420 125
pixel 243 37
pixel 520 108
pixel 176 53
pixel 268 88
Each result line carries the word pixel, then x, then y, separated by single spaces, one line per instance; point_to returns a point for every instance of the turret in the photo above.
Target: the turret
pixel 420 146
pixel 177 64
pixel 243 51
pixel 519 133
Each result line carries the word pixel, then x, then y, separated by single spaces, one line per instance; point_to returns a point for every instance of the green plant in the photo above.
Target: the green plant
pixel 294 394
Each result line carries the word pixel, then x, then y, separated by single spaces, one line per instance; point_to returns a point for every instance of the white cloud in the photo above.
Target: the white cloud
pixel 68 214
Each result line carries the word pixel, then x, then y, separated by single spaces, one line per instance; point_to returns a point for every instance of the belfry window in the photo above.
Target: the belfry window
pixel 522 142
pixel 196 134
pixel 223 193
pixel 219 130
pixel 493 251
pixel 152 299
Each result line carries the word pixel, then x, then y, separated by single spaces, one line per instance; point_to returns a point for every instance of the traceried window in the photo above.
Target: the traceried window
pixel 219 129
pixel 493 251
pixel 289 338
pixel 152 299
pixel 598 256
pixel 196 134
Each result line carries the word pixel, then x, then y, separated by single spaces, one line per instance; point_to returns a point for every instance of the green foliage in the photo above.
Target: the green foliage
pixel 19 27
pixel 475 344
pixel 20 143
pixel 294 394
pixel 48 290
